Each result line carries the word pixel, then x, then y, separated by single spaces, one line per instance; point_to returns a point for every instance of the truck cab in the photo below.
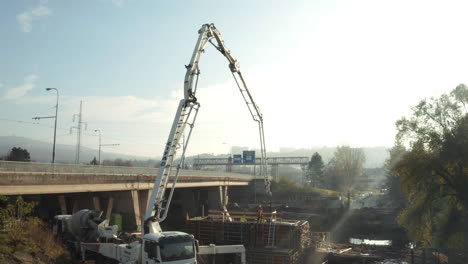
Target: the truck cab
pixel 169 247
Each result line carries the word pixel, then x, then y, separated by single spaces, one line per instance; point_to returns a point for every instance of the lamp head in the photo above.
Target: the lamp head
pixel 48 89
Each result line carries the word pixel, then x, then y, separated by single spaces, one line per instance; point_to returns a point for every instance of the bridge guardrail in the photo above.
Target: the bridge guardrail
pixel 14 166
pixel 270 161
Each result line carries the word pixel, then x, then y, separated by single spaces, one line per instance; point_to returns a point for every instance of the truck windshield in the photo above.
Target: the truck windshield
pixel 171 251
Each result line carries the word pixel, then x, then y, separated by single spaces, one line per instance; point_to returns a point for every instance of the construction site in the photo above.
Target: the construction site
pixel 363 202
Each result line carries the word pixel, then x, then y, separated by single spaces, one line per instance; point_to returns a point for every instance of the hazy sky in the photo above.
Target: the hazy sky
pixel 323 72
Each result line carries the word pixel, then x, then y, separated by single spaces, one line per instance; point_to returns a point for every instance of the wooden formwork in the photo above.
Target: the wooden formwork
pixel 281 234
pixel 205 230
pixel 273 256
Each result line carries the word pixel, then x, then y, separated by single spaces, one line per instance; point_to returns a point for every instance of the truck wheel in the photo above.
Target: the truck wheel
pixel 73 252
pixel 100 259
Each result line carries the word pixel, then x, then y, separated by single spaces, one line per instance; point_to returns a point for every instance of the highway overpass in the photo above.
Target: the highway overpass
pixel 66 188
pixel 20 178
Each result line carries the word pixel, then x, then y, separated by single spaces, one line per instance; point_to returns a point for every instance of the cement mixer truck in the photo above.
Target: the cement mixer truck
pixel 89 234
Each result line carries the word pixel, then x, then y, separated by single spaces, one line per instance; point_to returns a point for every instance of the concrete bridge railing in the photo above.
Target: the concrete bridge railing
pixel 13 166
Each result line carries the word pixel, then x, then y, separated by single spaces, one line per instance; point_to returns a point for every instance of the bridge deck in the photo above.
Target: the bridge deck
pixel 38 178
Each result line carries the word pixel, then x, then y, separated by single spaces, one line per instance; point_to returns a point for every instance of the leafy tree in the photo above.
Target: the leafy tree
pixel 433 118
pixel 26 233
pixel 94 161
pixel 434 171
pixel 13 217
pixel 345 166
pixel 18 154
pixel 315 170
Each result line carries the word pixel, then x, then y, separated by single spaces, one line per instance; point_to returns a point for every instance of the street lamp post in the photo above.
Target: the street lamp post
pixel 99 155
pixel 55 126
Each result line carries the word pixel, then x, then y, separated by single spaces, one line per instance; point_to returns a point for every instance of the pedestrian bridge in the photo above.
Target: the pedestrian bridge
pixel 20 178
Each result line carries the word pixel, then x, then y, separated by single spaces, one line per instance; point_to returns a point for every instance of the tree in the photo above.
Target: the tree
pixel 433 118
pixel 14 216
pixel 315 170
pixel 345 166
pixel 434 171
pixel 94 161
pixel 23 232
pixel 18 154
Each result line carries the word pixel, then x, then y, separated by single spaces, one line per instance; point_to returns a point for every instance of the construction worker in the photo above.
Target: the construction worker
pixel 243 219
pixel 259 214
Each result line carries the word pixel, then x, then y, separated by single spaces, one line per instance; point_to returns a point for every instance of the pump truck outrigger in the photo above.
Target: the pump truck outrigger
pixel 157 246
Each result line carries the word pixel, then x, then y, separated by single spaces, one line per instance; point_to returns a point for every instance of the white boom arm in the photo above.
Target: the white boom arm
pixel 186 114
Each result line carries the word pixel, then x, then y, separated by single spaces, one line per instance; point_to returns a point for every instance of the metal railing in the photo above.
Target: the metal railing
pixel 270 161
pixel 13 166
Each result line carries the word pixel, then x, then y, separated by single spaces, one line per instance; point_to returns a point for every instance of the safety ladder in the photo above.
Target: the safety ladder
pixel 226 213
pixel 272 230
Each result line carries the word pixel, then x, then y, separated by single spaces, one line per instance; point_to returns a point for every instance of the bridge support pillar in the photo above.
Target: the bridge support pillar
pixel 63 204
pixel 143 199
pixel 110 205
pixel 96 203
pixel 223 196
pixel 75 206
pixel 150 192
pixel 140 201
pixel 136 208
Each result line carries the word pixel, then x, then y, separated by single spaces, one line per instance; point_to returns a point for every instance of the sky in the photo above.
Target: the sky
pixel 324 73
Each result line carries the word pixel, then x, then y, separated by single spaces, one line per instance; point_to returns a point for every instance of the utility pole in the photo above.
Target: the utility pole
pixel 78 128
pixel 99 155
pixel 55 126
pixel 100 145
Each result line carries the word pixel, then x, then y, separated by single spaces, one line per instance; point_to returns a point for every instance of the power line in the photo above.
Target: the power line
pixel 19 121
pixel 126 140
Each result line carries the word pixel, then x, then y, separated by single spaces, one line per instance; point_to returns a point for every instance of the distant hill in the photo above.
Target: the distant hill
pixel 42 151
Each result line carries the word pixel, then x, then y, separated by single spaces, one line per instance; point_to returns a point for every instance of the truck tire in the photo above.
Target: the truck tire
pixel 100 259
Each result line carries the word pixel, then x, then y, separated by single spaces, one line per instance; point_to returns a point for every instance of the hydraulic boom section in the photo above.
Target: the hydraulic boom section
pixel 186 114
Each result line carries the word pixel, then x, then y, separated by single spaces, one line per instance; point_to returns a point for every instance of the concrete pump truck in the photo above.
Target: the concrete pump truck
pixel 91 233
